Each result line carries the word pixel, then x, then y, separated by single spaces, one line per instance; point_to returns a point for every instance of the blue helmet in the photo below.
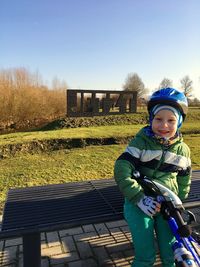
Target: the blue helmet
pixel 169 96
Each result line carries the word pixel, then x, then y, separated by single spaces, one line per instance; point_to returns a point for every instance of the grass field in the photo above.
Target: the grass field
pixel 93 162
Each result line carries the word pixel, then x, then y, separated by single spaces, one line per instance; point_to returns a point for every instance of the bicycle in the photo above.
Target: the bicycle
pixel 186 246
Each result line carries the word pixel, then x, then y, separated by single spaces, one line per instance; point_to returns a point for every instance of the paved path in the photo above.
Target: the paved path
pixel 106 244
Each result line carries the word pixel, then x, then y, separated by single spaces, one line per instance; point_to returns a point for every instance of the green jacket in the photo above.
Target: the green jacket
pixel 170 166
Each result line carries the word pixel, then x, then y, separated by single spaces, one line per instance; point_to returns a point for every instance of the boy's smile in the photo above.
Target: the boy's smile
pixel 165 124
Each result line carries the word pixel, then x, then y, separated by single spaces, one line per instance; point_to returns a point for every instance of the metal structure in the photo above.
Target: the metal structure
pixel 81 103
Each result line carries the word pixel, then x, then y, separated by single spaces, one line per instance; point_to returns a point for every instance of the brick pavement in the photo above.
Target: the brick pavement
pixel 107 244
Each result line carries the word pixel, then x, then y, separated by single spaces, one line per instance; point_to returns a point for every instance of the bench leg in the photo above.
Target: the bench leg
pixel 32 250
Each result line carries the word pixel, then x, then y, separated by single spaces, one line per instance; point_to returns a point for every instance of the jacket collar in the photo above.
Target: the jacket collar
pixel 160 140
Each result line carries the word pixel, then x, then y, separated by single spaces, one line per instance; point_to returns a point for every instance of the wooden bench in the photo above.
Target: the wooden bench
pixel 30 211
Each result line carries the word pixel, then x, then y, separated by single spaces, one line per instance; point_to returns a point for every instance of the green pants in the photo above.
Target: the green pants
pixel 142 229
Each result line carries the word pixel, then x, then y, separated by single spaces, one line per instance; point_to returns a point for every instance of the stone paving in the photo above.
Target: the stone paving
pixel 94 245
pixel 105 245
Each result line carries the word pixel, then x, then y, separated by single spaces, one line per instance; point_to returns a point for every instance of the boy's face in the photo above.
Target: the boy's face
pixel 165 124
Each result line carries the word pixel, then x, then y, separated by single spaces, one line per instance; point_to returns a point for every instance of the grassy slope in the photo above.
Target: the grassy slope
pixel 76 164
pixel 88 132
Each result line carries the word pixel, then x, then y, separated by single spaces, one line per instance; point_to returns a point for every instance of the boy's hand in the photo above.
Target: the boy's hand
pixel 149 205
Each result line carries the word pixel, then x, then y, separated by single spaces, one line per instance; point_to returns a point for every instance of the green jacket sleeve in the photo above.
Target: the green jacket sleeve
pixel 184 176
pixel 128 186
pixel 184 186
pixel 124 168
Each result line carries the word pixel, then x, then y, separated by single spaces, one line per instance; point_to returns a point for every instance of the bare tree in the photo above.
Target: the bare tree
pixel 194 102
pixel 186 85
pixel 165 83
pixel 134 83
pixel 23 97
pixel 58 85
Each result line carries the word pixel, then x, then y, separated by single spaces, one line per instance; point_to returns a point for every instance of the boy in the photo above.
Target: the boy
pixel 157 151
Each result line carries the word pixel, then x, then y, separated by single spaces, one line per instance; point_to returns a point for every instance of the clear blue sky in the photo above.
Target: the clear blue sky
pixel 94 44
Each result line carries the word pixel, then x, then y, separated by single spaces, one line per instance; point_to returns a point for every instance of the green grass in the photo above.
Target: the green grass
pixel 193 142
pixel 59 166
pixel 91 132
pixel 191 127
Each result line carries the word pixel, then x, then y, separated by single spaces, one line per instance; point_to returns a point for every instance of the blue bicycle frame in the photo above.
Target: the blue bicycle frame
pixel 188 242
